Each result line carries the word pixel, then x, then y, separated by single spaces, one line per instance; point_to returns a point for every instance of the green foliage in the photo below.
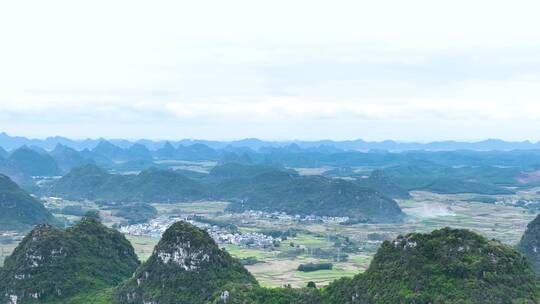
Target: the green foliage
pixel 187 266
pixel 315 266
pixel 55 265
pixel 249 261
pixel 252 294
pixel 379 181
pixel 135 212
pixel 92 182
pixel 19 210
pixel 102 296
pixel 27 162
pixel 446 266
pixel 310 195
pixel 246 186
pixel 530 243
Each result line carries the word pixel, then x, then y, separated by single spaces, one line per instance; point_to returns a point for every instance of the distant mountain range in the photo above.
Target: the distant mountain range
pixel 12 142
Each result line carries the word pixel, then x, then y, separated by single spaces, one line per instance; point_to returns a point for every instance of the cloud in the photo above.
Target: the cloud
pixel 280 69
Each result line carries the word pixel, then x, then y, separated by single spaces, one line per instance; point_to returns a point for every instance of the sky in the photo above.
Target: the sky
pixel 403 70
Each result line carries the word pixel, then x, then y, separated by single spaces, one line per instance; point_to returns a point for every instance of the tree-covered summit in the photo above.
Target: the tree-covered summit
pixel 52 265
pixel 186 266
pixel 445 266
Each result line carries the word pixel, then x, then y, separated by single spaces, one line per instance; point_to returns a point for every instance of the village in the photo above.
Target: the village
pixel 297 217
pixel 156 227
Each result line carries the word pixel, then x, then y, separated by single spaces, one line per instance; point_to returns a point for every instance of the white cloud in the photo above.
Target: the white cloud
pixel 279 69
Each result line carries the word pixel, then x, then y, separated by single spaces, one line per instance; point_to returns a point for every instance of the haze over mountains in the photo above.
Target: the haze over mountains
pixel 13 142
pixel 353 188
pixel 356 184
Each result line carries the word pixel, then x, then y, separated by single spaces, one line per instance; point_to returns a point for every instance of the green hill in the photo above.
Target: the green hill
pixel 19 210
pixel 186 266
pixel 152 185
pixel 530 243
pixel 28 162
pixel 51 265
pixel 445 266
pixel 68 158
pixel 310 195
pixel 379 181
pixel 245 186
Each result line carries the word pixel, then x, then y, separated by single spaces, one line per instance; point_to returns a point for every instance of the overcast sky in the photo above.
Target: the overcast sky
pixel 404 70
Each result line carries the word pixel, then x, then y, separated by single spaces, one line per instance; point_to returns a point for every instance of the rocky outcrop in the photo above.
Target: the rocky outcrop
pixel 51 264
pixel 186 266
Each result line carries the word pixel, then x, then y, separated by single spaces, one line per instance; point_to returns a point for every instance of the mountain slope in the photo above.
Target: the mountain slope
pixel 3 153
pixel 51 265
pixel 379 181
pixel 530 243
pixel 24 163
pixel 445 266
pixel 288 192
pixel 152 185
pixel 68 158
pixel 109 150
pixel 245 186
pixel 19 210
pixel 252 294
pixel 186 266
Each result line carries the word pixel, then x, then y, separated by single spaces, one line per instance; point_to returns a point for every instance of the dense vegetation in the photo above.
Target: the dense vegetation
pixel 92 182
pixel 83 264
pixel 246 186
pixel 24 163
pixel 135 212
pixel 19 210
pixel 51 265
pixel 530 243
pixel 379 181
pixel 253 294
pixel 186 266
pixel 445 266
pixel 294 194
pixel 309 267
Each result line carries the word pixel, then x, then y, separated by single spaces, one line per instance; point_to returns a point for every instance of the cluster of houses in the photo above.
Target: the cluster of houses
pixel 296 217
pixel 531 205
pixel 250 239
pixel 156 227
